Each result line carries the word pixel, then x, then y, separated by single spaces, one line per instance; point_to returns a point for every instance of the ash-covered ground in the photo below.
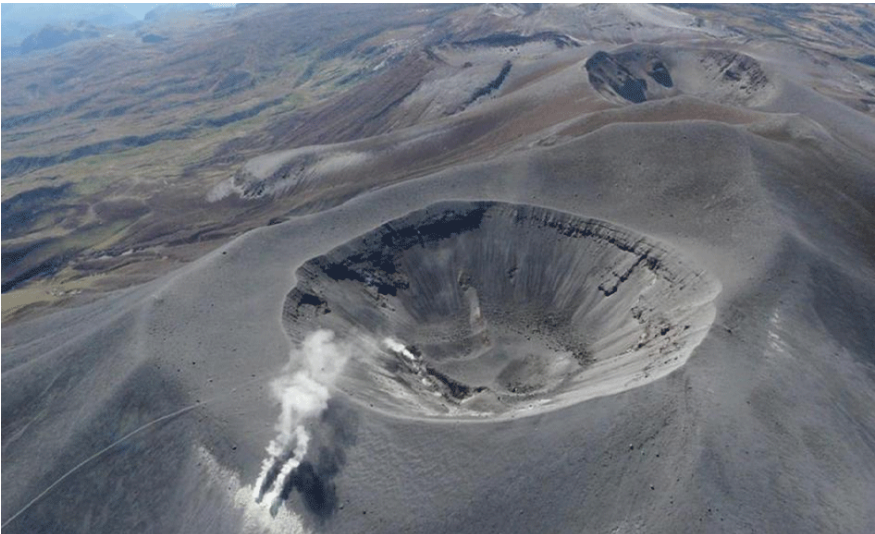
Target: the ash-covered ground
pixel 556 269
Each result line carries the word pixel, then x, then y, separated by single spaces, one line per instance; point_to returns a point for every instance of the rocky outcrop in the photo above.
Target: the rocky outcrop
pixel 640 73
pixel 608 73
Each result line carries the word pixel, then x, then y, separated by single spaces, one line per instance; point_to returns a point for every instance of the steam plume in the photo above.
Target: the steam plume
pixel 398 348
pixel 303 395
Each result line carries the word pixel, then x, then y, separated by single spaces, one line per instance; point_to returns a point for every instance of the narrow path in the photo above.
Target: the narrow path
pixel 104 450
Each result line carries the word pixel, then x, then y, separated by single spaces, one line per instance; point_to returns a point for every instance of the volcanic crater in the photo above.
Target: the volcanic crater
pixel 488 309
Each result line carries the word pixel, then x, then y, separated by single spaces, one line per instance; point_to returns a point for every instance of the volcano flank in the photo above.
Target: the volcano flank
pixel 477 269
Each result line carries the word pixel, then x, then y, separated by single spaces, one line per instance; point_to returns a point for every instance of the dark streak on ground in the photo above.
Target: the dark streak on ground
pixel 494 85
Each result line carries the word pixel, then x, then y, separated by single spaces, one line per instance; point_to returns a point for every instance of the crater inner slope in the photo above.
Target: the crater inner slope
pixel 487 309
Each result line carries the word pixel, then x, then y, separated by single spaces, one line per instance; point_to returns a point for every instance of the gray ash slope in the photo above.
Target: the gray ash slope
pixel 772 406
pixel 151 409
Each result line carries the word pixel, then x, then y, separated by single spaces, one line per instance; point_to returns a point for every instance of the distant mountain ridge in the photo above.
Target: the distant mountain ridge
pixel 21 20
pixel 30 27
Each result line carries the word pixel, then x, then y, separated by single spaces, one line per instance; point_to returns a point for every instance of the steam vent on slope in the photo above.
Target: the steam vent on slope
pixel 486 309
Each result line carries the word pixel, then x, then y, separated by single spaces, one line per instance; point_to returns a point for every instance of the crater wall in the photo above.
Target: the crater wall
pixel 486 309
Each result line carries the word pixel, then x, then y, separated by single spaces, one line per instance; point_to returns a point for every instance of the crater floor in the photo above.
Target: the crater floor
pixel 487 309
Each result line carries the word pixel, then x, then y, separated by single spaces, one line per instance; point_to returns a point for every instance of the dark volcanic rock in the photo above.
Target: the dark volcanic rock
pixel 717 75
pixel 659 72
pixel 605 70
pixel 494 85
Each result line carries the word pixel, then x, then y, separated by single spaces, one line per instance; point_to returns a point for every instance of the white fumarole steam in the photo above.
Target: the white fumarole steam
pixel 304 395
pixel 398 348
